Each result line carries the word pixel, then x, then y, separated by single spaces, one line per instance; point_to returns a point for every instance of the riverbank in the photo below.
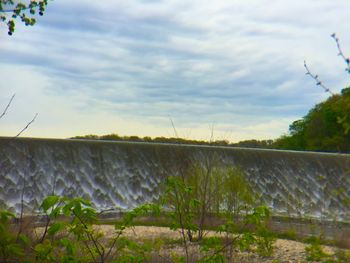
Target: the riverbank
pixel 284 250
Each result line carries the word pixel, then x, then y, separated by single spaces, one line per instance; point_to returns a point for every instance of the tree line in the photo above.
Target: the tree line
pixel 325 128
pixel 176 140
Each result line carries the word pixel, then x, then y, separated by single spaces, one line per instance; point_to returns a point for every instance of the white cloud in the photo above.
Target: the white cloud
pixel 125 67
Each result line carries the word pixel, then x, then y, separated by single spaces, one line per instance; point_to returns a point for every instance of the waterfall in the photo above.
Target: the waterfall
pixel 126 174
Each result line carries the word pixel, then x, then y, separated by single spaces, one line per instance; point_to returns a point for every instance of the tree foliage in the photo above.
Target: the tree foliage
pixel 177 140
pixel 11 10
pixel 325 128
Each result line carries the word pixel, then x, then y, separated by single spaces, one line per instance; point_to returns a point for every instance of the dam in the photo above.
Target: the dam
pixel 125 174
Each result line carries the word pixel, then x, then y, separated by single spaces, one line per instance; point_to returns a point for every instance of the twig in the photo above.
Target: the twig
pixel 182 225
pixel 8 105
pixel 318 81
pixel 89 249
pixel 22 208
pixel 48 220
pixel 340 52
pixel 217 251
pixel 99 248
pixel 211 133
pixel 113 244
pixel 172 124
pixel 26 127
pixel 54 184
pixel 105 210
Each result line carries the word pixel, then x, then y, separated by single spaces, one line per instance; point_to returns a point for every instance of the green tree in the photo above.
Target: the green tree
pixel 327 125
pixel 11 10
pixel 325 128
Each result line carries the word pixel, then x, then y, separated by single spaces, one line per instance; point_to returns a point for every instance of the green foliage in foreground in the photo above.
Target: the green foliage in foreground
pixel 69 235
pixel 69 231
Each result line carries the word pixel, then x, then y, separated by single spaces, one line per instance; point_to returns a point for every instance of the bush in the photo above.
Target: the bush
pixel 188 201
pixel 68 233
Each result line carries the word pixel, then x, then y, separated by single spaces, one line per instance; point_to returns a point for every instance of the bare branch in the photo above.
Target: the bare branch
pixel 318 81
pixel 8 105
pixel 340 52
pixel 172 124
pixel 211 133
pixel 26 127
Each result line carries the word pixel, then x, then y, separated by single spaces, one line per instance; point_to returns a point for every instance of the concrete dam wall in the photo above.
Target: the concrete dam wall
pixel 126 174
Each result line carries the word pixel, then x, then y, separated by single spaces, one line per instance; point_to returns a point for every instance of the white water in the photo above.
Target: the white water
pixel 123 175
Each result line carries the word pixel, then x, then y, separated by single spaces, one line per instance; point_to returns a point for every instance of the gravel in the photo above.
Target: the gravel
pixel 285 250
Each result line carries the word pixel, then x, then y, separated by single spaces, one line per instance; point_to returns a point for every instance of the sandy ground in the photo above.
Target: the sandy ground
pixel 285 250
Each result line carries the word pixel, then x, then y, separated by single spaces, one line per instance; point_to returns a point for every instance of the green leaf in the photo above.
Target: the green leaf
pixel 69 245
pixel 54 228
pixel 67 209
pixel 194 203
pixel 49 202
pixel 246 241
pixel 56 211
pixel 210 243
pixel 15 249
pixel 24 239
pixel 44 250
pixel 5 216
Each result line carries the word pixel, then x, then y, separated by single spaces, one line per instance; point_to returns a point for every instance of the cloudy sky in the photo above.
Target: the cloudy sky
pixel 130 67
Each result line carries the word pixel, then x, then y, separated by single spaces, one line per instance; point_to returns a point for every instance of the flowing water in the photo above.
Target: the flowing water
pixel 125 174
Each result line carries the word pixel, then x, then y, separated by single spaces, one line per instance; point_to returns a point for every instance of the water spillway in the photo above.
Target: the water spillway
pixel 126 174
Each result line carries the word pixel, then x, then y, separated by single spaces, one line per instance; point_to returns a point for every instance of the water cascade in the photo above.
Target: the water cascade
pixel 125 174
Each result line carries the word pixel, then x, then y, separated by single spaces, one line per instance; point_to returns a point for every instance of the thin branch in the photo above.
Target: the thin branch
pixel 228 244
pixel 211 133
pixel 99 248
pixel 340 52
pixel 318 81
pixel 172 124
pixel 89 249
pixel 12 10
pixel 48 220
pixel 8 106
pixel 113 244
pixel 22 209
pixel 26 127
pixel 105 210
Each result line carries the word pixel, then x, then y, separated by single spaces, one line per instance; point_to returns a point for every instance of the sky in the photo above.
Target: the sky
pixel 231 67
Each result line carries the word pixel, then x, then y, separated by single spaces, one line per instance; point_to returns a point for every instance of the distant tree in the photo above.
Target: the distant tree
pixel 254 143
pixel 88 137
pixel 345 120
pixel 324 128
pixel 111 137
pixel 327 125
pixel 11 10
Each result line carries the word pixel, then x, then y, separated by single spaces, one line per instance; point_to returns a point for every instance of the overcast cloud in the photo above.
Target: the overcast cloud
pixel 97 67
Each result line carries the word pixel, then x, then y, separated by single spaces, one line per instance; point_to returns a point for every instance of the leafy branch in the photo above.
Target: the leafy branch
pixel 10 11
